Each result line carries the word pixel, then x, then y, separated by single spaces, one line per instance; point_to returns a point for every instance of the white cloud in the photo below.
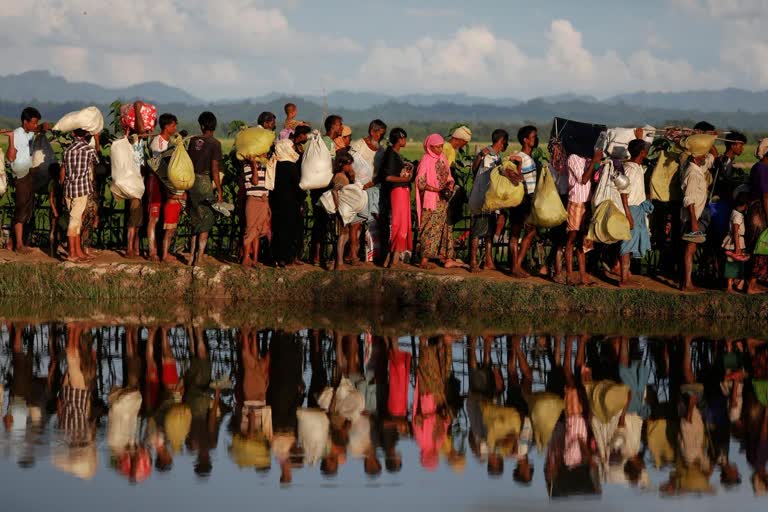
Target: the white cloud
pixel 196 44
pixel 744 48
pixel 475 59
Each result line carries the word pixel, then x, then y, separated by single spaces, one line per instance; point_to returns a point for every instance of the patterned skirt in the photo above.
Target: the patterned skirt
pixel 435 234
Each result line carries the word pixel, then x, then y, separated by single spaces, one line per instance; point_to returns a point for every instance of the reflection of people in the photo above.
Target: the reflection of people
pixel 204 431
pixel 79 457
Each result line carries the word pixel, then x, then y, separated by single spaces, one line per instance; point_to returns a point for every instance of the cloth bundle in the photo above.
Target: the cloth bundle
pixel 147 111
pixel 89 119
pixel 576 137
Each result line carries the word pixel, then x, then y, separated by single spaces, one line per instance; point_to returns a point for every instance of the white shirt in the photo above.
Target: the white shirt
pixel 694 185
pixel 636 191
pixel 158 145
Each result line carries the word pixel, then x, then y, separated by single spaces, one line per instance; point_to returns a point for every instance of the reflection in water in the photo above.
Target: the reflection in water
pixel 592 411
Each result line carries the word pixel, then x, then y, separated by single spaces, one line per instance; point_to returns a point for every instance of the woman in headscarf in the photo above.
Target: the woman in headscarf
pixel 397 175
pixel 287 200
pixel 435 187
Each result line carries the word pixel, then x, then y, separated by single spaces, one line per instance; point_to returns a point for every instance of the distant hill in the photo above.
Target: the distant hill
pixel 729 108
pixel 43 86
pixel 725 100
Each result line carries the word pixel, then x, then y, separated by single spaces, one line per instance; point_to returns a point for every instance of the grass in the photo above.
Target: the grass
pixel 407 301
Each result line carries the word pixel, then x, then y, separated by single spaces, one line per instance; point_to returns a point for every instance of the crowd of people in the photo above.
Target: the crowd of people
pixel 593 202
pixel 599 411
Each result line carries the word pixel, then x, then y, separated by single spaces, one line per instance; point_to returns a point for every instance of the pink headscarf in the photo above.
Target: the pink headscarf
pixel 427 200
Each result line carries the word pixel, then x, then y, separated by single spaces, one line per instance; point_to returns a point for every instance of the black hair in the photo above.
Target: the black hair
pixel 704 126
pixel 330 121
pixel 166 119
pixel 265 117
pixel 396 134
pixel 302 129
pixel 288 106
pixel 342 159
pixel 207 121
pixel 79 132
pixel 635 147
pixel 734 137
pixel 525 132
pixel 29 114
pixel 498 135
pixel 377 124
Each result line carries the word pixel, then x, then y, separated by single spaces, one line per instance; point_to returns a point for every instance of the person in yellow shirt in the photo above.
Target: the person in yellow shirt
pixel 459 138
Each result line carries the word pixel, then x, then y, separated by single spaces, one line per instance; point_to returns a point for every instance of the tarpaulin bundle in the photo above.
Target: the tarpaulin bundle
pixel 577 138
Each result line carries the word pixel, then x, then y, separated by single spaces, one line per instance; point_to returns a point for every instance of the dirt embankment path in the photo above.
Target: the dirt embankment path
pixel 226 293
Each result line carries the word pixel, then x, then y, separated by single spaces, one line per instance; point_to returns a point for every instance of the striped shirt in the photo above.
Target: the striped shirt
pixel 528 168
pixel 578 192
pixel 575 433
pixel 79 159
pixel 75 411
pixel 252 190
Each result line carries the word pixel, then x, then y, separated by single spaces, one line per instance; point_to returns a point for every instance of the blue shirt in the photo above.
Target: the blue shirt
pixel 22 141
pixel 636 377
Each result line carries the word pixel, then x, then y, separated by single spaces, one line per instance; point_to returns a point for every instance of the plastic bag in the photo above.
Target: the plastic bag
pixel 181 170
pixel 699 144
pixel 42 158
pixel 363 169
pixel 352 200
pixel 606 190
pixel 127 182
pixel 665 178
pixel 609 224
pixel 148 114
pixel 3 174
pixel 548 210
pixel 501 192
pixel 254 141
pixel 619 139
pixel 88 119
pixel 761 247
pixel 317 166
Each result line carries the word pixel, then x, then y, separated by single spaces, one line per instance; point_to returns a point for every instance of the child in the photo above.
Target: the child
pixel 290 116
pixel 733 244
pixel 257 213
pixel 343 176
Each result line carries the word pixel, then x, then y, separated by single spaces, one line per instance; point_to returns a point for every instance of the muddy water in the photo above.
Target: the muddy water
pixel 126 417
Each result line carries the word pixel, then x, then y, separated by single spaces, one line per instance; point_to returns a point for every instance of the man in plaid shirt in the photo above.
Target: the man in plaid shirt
pixel 76 171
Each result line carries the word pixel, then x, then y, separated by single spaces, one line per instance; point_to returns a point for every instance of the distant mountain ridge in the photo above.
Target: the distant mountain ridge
pixel 44 86
pixel 727 109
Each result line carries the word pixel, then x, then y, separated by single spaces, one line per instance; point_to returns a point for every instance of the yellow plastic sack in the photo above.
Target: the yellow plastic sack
pixel 178 421
pixel 665 178
pixel 545 409
pixel 548 210
pixel 181 171
pixel 609 224
pixel 501 192
pixel 699 144
pixel 607 399
pixel 254 141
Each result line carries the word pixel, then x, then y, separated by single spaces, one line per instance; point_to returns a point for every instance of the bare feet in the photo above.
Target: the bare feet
pixel 454 264
pixel 520 273
pixel 475 269
pixel 488 265
pixel 153 257
pixel 755 289
pixel 23 249
pixel 559 278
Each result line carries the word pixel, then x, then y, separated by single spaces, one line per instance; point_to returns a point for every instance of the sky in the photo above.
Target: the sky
pixel 227 49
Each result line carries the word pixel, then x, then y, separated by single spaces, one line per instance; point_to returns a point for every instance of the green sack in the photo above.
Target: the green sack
pixel 181 170
pixel 548 210
pixel 761 247
pixel 251 142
